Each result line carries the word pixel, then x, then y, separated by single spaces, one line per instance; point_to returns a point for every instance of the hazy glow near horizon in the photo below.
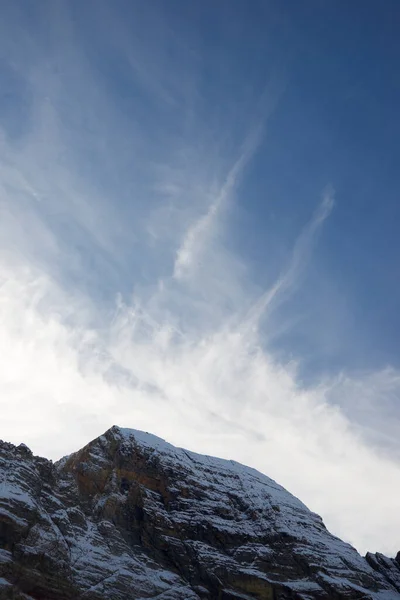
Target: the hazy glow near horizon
pixel 141 283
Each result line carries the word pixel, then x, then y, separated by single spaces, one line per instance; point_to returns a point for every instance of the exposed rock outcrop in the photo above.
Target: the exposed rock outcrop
pixel 131 517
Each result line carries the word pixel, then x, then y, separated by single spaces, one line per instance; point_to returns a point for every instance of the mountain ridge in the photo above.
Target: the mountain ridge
pixel 131 516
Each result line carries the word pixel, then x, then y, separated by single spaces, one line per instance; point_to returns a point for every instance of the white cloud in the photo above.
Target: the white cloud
pixel 200 234
pixel 289 279
pixel 212 389
pixel 184 355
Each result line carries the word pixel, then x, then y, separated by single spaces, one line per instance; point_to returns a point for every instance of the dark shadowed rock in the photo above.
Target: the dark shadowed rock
pixel 131 517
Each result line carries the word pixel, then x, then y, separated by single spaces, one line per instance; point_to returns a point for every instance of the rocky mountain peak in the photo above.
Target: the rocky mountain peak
pixel 130 516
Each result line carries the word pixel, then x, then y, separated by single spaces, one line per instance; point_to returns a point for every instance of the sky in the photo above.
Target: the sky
pixel 199 211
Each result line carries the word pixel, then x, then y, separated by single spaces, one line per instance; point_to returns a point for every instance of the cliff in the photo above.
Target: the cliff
pixel 132 517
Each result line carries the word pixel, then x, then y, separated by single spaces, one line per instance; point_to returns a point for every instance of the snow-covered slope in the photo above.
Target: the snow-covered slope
pixel 132 517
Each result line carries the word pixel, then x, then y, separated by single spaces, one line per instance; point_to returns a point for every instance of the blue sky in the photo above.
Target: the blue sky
pixel 198 237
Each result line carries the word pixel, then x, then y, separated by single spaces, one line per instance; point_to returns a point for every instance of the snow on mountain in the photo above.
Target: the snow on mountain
pixel 132 517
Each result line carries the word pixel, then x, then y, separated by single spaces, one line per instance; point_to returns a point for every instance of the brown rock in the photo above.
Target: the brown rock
pixel 130 517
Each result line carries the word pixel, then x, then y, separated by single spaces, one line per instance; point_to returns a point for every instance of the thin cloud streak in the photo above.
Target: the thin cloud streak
pixel 200 233
pixel 290 278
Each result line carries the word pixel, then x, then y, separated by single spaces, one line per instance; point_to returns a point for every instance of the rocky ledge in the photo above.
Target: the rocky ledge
pixel 132 517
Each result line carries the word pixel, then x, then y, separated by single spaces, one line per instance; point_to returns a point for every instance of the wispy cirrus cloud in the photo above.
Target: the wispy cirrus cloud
pixel 291 277
pixel 200 234
pixel 121 300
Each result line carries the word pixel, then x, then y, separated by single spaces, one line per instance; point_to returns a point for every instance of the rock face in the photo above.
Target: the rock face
pixel 131 517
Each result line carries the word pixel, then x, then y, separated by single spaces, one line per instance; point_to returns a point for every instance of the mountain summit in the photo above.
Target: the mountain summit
pixel 131 517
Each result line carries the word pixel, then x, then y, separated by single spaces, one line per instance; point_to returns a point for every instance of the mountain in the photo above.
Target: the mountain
pixel 131 517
